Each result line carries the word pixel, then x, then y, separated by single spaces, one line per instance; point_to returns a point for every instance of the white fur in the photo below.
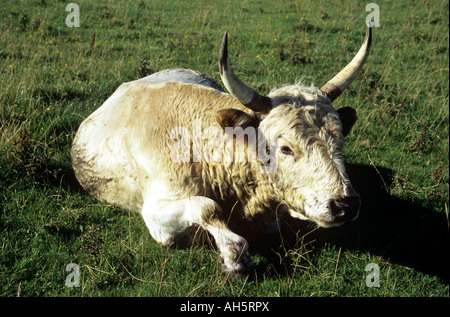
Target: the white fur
pixel 121 155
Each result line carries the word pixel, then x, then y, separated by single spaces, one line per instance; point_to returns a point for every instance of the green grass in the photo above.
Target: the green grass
pixel 52 77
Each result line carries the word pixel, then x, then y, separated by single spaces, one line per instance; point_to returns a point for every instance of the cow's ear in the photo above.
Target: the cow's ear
pixel 236 118
pixel 348 118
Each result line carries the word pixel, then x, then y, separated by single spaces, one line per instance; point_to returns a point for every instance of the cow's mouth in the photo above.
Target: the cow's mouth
pixel 322 223
pixel 345 209
pixel 329 224
pixel 339 212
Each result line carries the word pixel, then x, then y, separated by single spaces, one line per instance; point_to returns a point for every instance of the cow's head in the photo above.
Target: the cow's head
pixel 310 178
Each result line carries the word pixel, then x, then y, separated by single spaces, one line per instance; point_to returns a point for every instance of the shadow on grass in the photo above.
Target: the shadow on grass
pixel 403 232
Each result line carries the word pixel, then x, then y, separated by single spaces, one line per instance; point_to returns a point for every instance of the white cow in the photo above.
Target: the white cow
pixel 187 155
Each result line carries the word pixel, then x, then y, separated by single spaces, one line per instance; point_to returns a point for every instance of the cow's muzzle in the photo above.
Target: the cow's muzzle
pixel 345 209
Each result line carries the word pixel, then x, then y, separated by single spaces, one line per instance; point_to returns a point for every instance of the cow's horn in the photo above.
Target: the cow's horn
pixel 338 83
pixel 247 96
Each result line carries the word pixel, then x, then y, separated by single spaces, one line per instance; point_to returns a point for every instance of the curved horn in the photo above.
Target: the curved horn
pixel 338 83
pixel 247 96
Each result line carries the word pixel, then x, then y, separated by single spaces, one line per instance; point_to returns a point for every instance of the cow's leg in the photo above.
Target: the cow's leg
pixel 166 219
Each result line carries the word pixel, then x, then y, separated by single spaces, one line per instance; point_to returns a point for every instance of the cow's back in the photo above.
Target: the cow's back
pixel 181 75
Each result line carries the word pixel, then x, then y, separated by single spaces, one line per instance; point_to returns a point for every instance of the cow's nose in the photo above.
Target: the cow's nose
pixel 346 208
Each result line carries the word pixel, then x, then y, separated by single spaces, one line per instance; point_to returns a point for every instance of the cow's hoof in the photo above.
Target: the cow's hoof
pixel 237 268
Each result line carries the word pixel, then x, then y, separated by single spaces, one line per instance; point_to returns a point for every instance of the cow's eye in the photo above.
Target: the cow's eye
pixel 286 150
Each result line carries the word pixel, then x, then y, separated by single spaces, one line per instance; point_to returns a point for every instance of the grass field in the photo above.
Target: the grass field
pixel 53 76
